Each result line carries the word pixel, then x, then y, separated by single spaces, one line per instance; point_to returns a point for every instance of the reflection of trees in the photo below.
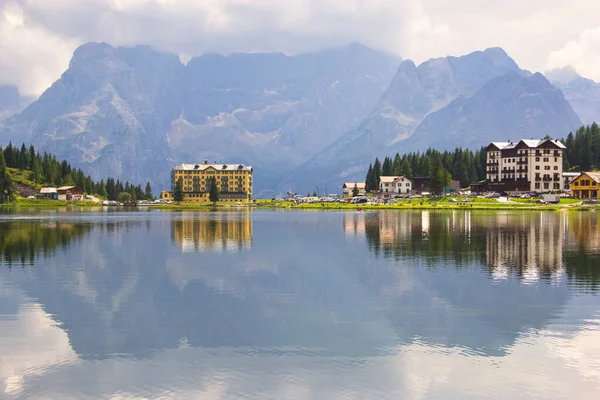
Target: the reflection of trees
pixel 526 246
pixel 582 250
pixel 21 242
pixel 228 232
pixel 431 236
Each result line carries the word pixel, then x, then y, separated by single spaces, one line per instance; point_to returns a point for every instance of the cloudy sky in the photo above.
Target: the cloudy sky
pixel 37 37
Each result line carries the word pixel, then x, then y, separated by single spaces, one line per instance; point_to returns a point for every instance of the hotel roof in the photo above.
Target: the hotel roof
pixel 359 185
pixel 390 179
pixel 224 167
pixel 532 143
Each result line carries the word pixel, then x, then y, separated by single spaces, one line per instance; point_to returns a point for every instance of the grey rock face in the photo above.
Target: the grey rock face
pixel 109 112
pixel 135 112
pixel 510 107
pixel 414 93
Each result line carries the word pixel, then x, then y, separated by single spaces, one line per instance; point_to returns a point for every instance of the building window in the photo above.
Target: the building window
pixel 545 159
pixel 555 159
pixel 556 168
pixel 537 159
pixel 546 185
pixel 537 167
pixel 537 185
pixel 547 167
pixel 557 186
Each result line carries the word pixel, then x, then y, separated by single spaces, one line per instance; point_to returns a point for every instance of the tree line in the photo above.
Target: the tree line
pixel 466 166
pixel 583 149
pixel 463 165
pixel 46 169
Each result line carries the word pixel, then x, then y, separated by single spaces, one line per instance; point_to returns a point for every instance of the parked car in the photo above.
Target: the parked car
pixel 590 201
pixel 525 196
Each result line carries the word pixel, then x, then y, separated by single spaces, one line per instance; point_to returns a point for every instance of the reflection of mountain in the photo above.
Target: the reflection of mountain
pixel 304 287
pixel 21 242
pixel 228 232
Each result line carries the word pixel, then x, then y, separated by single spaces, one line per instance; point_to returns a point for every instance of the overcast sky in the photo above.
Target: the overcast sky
pixel 37 37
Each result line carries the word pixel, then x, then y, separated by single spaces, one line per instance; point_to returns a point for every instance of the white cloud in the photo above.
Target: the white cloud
pixel 582 53
pixel 37 37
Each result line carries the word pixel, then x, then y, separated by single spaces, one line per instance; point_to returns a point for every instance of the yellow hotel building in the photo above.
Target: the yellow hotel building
pixel 233 180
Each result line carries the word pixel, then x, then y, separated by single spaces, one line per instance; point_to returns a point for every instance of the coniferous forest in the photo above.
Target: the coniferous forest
pixel 466 166
pixel 45 169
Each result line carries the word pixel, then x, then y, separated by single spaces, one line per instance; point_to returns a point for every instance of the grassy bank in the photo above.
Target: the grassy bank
pixel 20 202
pixel 443 203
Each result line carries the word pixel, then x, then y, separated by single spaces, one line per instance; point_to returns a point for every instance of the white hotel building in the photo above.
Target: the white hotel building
pixel 525 166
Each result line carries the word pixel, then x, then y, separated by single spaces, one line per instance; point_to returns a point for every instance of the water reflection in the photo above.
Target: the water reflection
pixel 318 305
pixel 225 232
pixel 22 242
pixel 528 246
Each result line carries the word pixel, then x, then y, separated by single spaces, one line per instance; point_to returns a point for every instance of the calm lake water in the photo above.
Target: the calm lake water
pixel 299 305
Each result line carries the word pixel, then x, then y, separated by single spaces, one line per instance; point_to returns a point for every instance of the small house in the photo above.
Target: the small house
pixel 586 185
pixel 394 185
pixel 348 187
pixel 49 193
pixel 69 193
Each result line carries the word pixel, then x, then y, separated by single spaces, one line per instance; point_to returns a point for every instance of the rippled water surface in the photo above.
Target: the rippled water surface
pixel 299 305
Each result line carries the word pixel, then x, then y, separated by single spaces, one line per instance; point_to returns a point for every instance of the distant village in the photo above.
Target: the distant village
pixel 524 168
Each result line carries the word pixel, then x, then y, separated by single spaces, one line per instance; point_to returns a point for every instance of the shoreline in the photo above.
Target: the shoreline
pixel 441 205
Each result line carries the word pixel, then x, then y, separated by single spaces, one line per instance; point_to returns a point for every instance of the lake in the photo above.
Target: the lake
pixel 299 305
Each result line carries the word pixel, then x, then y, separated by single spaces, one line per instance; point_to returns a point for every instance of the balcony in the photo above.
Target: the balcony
pixel 547 179
pixel 491 163
pixel 524 162
pixel 522 170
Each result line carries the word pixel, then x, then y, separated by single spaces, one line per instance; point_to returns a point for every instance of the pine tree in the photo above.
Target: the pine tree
pixel 369 178
pixel 376 174
pixel 397 165
pixel 178 191
pixel 148 192
pixel 23 158
pixel 439 178
pixel 102 191
pixel 386 170
pixel 405 169
pixel 355 190
pixel 36 170
pixel 213 194
pixel 5 181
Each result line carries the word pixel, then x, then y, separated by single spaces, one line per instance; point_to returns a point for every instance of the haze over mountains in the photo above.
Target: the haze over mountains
pixel 304 121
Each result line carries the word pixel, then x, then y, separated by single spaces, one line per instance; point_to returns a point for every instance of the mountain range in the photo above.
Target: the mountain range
pixel 305 121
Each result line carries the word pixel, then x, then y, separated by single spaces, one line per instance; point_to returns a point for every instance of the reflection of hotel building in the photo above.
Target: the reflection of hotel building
pixel 530 246
pixel 354 224
pixel 583 233
pixel 226 233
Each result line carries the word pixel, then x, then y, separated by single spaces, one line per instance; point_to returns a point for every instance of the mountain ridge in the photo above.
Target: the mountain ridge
pixel 301 120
